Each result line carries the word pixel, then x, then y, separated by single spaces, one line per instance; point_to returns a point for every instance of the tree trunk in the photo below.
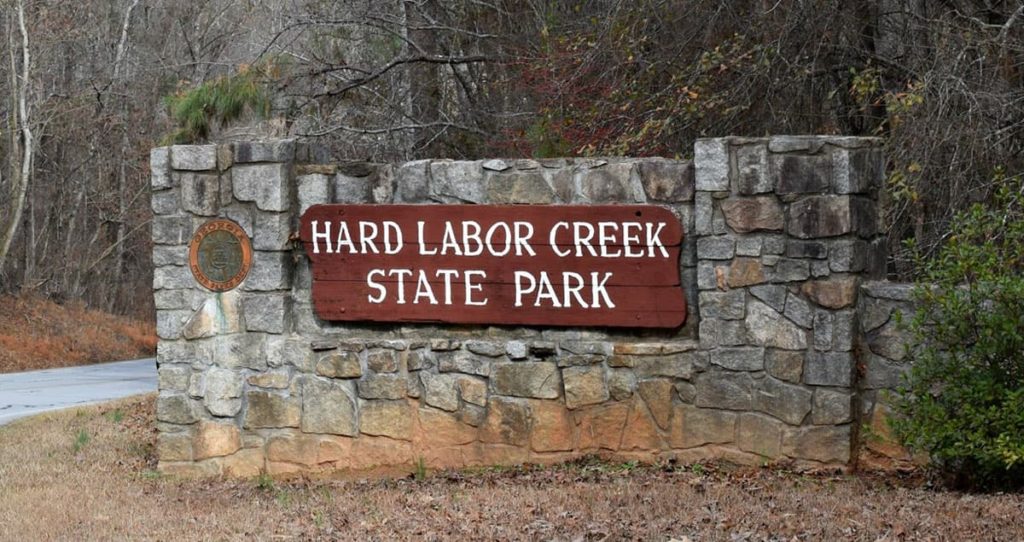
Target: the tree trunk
pixel 27 143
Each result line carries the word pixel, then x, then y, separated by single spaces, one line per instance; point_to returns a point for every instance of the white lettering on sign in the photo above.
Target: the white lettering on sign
pixel 469 239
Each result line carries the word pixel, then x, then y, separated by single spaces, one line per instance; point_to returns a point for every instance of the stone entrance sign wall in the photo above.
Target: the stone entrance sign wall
pixel 780 235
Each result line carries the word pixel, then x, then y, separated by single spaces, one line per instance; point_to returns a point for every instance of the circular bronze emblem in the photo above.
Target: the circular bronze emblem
pixel 220 255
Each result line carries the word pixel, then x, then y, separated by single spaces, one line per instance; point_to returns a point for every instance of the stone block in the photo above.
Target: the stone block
pixel 170 255
pixel 711 163
pixel 282 150
pixel 749 245
pixel 312 190
pixel 266 312
pixel 844 328
pixel 194 157
pixel 519 188
pixel 857 171
pixel 277 379
pixel 716 248
pixel 457 182
pixel 240 350
pixel 621 384
pixel 462 362
pixel 804 144
pixel 784 364
pixel 772 294
pixel 348 189
pixel 265 184
pixel 829 369
pixel 832 293
pixel 699 426
pixel 657 395
pixel 759 434
pixel 831 407
pixel 171 230
pixel 293 350
pixel 739 359
pixel 889 341
pixel 265 409
pixel 200 193
pixel 173 277
pixel 295 449
pixel 724 390
pixel 175 408
pixel 173 446
pixel 392 419
pixel 440 391
pixel 160 167
pixel 223 389
pixel 173 377
pixel 682 365
pixel 729 305
pixel 687 392
pixel 825 444
pixel 516 350
pixel 849 255
pixel 703 214
pixel 218 315
pixel 539 380
pixel 584 386
pixel 787 402
pixel 745 272
pixel 412 182
pixel 164 202
pixel 823 323
pixel 382 361
pixel 752 170
pixel 419 360
pixel 801 174
pixel 831 216
pixel 214 439
pixel 745 215
pixel 269 271
pixel 328 407
pixel 553 428
pixel 382 386
pixel 668 181
pixel 473 390
pixel 790 270
pixel 796 248
pixel 272 231
pixel 611 183
pixel 881 373
pixel 766 327
pixel 486 348
pixel 799 311
pixel 169 323
pixel 507 422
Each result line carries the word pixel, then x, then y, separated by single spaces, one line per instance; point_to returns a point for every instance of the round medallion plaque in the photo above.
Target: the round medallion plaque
pixel 220 255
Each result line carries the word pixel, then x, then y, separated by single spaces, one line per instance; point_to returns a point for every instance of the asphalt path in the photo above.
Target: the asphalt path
pixel 33 392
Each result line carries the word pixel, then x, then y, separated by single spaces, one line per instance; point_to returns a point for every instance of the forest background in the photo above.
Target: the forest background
pixel 87 88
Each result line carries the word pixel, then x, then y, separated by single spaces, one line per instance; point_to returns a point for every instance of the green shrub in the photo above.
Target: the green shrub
pixel 221 101
pixel 963 401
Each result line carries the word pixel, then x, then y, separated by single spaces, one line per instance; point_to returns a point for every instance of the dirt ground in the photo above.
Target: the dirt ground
pixel 88 475
pixel 36 333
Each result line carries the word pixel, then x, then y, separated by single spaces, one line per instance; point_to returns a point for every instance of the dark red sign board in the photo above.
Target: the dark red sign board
pixel 545 265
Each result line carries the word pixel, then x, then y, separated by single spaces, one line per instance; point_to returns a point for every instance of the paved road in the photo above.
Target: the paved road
pixel 25 394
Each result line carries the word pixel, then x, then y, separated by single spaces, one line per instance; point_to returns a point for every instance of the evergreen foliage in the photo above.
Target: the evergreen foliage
pixel 963 401
pixel 219 101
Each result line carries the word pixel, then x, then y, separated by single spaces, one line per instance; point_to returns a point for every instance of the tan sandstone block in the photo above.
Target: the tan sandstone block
pixel 214 439
pixel 553 429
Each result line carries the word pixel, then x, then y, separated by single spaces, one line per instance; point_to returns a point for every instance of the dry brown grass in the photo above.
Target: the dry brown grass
pixel 36 333
pixel 107 490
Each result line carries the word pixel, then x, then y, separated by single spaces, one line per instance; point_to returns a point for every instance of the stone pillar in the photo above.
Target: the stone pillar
pixel 787 228
pixel 212 343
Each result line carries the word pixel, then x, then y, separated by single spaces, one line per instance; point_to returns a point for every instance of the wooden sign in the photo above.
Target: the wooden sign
pixel 557 265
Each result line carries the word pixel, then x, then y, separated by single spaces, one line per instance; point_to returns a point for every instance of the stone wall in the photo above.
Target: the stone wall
pixel 780 234
pixel 885 309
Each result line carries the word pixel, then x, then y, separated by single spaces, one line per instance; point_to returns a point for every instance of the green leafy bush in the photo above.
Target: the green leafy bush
pixel 963 401
pixel 221 100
